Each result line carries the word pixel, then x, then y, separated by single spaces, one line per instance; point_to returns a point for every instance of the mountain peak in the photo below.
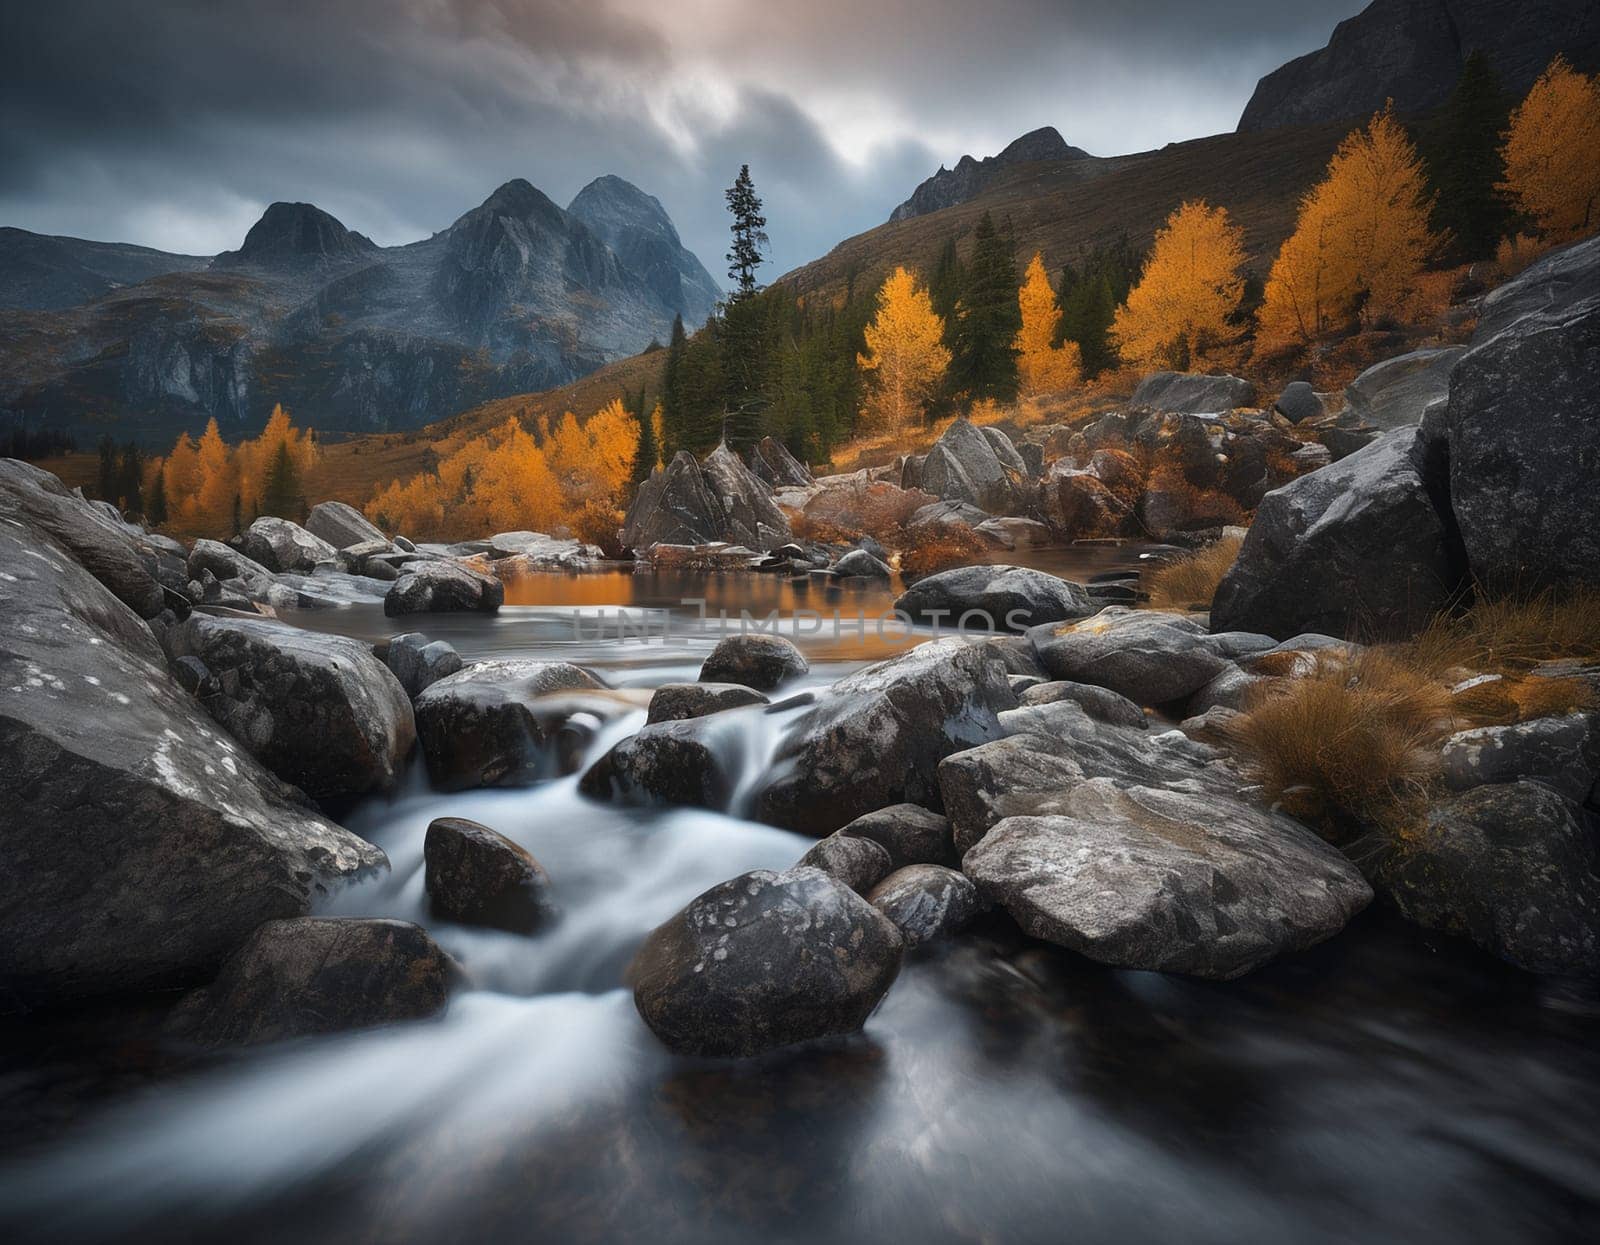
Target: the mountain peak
pixel 971 176
pixel 636 226
pixel 298 234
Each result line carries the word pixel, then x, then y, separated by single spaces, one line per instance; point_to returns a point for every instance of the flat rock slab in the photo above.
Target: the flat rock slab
pixel 1145 878
pixel 1148 657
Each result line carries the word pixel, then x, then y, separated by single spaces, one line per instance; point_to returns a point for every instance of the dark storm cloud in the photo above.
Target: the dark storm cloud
pixel 174 122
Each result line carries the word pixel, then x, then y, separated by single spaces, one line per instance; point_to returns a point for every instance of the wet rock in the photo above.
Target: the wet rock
pixel 911 834
pixel 1394 393
pixel 927 902
pixel 1170 881
pixel 1510 866
pixel 764 960
pixel 1149 657
pixel 754 660
pixel 320 711
pixel 675 762
pixel 441 587
pixel 965 465
pixel 98 542
pixel 481 727
pixel 674 702
pixel 343 526
pixel 280 545
pixel 312 975
pixel 1192 393
pixel 876 738
pixel 859 862
pixel 535 550
pixel 419 662
pixel 1000 598
pixel 477 876
pixel 1354 549
pixel 1558 752
pixel 859 564
pixel 1100 703
pixel 1298 402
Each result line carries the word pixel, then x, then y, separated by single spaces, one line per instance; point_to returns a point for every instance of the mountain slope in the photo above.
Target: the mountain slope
pixel 1411 51
pixel 636 227
pixel 971 177
pixel 43 273
pixel 516 295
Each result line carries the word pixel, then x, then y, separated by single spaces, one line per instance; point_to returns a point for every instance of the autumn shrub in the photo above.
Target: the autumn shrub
pixel 1192 579
pixel 1173 503
pixel 936 547
pixel 809 528
pixel 1516 253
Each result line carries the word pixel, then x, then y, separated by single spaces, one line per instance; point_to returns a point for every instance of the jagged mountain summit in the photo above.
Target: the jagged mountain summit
pixel 972 177
pixel 1411 51
pixel 517 295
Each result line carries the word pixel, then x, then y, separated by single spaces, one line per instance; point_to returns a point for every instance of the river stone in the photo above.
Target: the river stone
pixel 142 844
pixel 674 702
pixel 33 499
pixel 1558 752
pixel 1512 866
pixel 342 525
pixel 1149 657
pixel 754 660
pixel 1524 446
pixel 927 902
pixel 1170 881
pixel 313 975
pixel 1191 393
pixel 1298 402
pixel 280 545
pixel 477 876
pixel 674 762
pixel 859 564
pixel 318 710
pixel 911 834
pixel 1354 549
pixel 860 863
pixel 229 565
pixel 1231 689
pixel 439 586
pixel 1100 703
pixel 419 662
pixel 1007 598
pixel 876 737
pixel 764 960
pixel 481 727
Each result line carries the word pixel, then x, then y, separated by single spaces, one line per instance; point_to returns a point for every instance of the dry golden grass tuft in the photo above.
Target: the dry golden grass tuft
pixel 1192 579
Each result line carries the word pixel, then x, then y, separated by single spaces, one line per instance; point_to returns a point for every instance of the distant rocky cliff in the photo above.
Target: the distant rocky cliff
pixel 1411 51
pixel 970 177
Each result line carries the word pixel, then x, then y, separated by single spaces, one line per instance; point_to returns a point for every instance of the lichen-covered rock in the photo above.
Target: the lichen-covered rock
pixel 1559 752
pixel 280 545
pixel 1149 657
pixel 860 863
pixel 1163 880
pixel 318 710
pixel 312 975
pixel 765 960
pixel 755 660
pixel 439 586
pixel 675 702
pixel 927 902
pixel 477 876
pixel 995 598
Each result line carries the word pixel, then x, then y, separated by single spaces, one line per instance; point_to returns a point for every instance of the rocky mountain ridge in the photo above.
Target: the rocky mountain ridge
pixel 971 177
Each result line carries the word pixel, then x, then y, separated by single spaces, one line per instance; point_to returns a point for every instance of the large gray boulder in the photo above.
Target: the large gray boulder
pixel 1563 278
pixel 876 738
pixel 313 975
pixel 483 726
pixel 230 567
pixel 776 467
pixel 690 503
pixel 754 659
pixel 342 526
pixel 750 516
pixel 477 876
pixel 1151 658
pixel 1557 751
pixel 280 545
pixel 1524 447
pixel 1298 402
pixel 1192 393
pixel 1000 598
pixel 1512 866
pixel 439 586
pixel 1355 549
pixel 320 711
pixel 860 863
pixel 1395 393
pixel 142 844
pixel 35 500
pixel 1100 703
pixel 966 465
pixel 764 960
pixel 1170 881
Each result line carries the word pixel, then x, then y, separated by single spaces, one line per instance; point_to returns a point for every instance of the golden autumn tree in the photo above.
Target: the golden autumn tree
pixel 1361 240
pixel 905 357
pixel 1190 285
pixel 256 459
pixel 1042 366
pixel 181 478
pixel 219 482
pixel 1552 153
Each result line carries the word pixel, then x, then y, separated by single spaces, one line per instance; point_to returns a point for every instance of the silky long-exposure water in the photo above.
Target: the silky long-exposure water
pixel 1386 1086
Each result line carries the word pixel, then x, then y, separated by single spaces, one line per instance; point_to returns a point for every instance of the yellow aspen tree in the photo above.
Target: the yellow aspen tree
pixel 1041 366
pixel 218 479
pixel 613 437
pixel 1552 153
pixel 905 357
pixel 1188 289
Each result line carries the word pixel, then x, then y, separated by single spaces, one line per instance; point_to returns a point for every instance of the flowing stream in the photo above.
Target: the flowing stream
pixel 1386 1086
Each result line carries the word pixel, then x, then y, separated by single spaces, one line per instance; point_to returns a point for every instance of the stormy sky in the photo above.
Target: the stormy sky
pixel 172 123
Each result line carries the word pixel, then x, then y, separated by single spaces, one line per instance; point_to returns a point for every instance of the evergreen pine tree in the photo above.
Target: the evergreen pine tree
pixel 749 235
pixel 108 469
pixel 987 320
pixel 1467 165
pixel 155 500
pixel 944 287
pixel 673 434
pixel 280 491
